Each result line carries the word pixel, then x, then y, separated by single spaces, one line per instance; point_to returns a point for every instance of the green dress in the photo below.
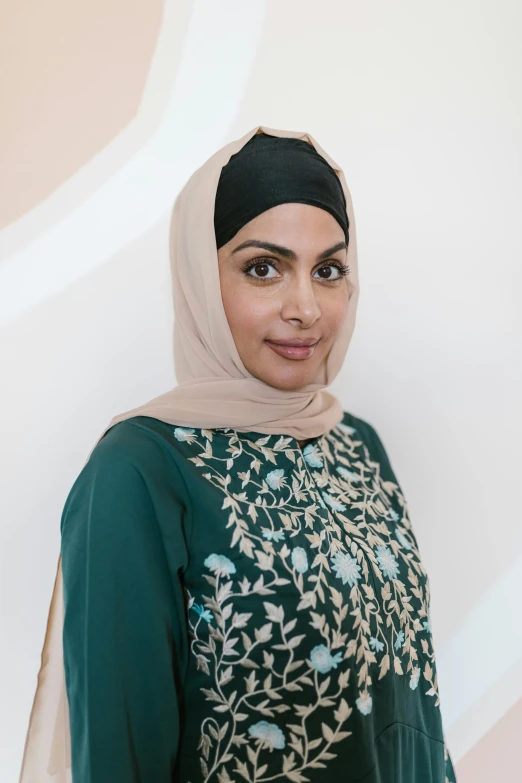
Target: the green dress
pixel 238 608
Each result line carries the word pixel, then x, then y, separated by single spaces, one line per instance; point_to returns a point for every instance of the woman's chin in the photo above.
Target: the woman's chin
pixel 288 379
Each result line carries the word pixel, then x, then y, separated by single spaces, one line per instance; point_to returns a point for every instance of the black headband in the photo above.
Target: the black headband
pixel 272 170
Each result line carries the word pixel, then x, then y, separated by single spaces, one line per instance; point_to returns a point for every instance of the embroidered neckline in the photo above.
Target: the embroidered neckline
pixel 271 439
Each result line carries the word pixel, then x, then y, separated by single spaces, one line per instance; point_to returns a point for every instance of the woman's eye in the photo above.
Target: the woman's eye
pixel 262 270
pixel 330 272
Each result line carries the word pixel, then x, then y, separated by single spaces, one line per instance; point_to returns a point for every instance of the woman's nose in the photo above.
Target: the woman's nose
pixel 300 302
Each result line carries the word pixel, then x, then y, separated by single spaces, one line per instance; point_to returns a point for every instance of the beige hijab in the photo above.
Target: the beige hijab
pixel 214 390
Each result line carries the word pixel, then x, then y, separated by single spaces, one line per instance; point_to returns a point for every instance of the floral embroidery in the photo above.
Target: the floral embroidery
pixel 300 559
pixel 220 564
pixel 346 568
pixel 205 614
pixel 322 659
pixel 376 645
pixel 329 540
pixel 347 429
pixel 347 474
pixel 268 733
pixel 312 456
pixel 402 538
pixel 364 703
pixel 275 479
pixel 273 535
pixel 399 640
pixel 387 562
pixel 414 679
pixel 333 503
pixel 184 434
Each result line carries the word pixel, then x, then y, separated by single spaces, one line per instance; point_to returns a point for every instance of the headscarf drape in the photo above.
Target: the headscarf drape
pixel 214 390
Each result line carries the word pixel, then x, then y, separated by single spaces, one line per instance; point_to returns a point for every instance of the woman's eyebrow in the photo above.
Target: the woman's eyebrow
pixel 285 251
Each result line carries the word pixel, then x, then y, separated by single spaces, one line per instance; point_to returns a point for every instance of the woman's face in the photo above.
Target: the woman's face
pixel 286 302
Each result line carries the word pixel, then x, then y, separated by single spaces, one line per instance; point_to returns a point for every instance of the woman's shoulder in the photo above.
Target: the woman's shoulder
pixel 136 440
pixel 361 427
pixel 131 462
pixel 136 448
pixel 366 432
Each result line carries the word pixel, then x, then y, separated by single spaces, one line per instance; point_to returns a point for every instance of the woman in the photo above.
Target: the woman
pixel 244 594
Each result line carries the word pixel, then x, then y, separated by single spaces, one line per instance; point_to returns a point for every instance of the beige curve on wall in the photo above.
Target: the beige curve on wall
pixel 83 99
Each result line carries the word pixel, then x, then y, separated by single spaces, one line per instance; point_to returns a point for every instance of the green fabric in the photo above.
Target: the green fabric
pixel 238 608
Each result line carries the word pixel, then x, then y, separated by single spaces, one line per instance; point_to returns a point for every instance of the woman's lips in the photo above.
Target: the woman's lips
pixel 292 351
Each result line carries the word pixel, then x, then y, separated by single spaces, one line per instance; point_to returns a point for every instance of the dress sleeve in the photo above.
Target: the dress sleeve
pixel 124 636
pixel 380 453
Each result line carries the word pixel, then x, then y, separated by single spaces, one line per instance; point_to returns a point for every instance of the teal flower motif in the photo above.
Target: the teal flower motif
pixel 414 679
pixel 275 478
pixel 427 625
pixel 402 539
pixel 333 503
pixel 346 428
pixel 322 660
pixel 376 645
pixel 394 515
pixel 364 703
pixel 299 559
pixel 387 561
pixel 185 434
pixel 220 565
pixel 346 567
pixel 321 501
pixel 273 535
pixel 399 641
pixel 313 456
pixel 348 474
pixel 269 733
pixel 205 614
